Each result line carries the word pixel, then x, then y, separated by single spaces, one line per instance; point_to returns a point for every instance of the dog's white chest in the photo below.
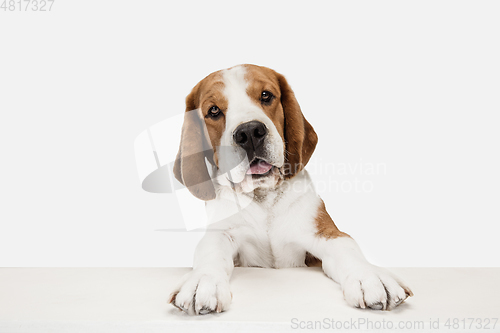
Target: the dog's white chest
pixel 264 240
pixel 269 229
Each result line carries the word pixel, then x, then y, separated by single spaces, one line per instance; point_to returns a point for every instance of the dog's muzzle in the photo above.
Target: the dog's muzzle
pixel 251 136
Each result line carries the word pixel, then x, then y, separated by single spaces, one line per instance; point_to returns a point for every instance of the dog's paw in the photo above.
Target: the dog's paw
pixel 374 287
pixel 202 292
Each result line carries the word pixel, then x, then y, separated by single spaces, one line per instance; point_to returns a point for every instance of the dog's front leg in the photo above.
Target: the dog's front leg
pixel 363 284
pixel 206 288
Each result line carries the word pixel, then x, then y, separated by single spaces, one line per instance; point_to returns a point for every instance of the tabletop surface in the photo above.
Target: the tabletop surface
pixel 264 300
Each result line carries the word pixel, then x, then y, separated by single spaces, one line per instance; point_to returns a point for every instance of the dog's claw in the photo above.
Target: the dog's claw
pixel 205 311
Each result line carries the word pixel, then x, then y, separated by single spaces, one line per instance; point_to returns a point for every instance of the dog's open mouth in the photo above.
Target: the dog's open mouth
pixel 259 168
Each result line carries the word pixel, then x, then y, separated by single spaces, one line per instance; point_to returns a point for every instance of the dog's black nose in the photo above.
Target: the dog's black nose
pixel 250 136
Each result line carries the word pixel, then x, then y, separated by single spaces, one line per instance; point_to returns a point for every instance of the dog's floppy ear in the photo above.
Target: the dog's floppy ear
pixel 190 167
pixel 300 137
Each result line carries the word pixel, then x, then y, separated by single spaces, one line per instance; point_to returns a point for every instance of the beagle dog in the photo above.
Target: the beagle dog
pixel 244 146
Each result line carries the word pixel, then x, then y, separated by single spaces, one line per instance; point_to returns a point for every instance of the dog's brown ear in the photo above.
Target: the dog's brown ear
pixel 190 167
pixel 300 137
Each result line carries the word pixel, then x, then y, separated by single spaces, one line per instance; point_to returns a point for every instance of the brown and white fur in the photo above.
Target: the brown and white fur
pixel 275 220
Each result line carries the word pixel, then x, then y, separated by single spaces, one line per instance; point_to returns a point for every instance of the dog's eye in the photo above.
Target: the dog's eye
pixel 266 97
pixel 214 111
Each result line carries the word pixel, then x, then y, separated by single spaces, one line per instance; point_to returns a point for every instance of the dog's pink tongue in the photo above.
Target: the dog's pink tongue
pixel 259 168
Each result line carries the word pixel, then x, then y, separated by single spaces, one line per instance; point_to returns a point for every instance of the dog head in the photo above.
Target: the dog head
pixel 246 122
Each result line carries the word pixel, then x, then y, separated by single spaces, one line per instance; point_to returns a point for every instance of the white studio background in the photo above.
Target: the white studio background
pixel 412 86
